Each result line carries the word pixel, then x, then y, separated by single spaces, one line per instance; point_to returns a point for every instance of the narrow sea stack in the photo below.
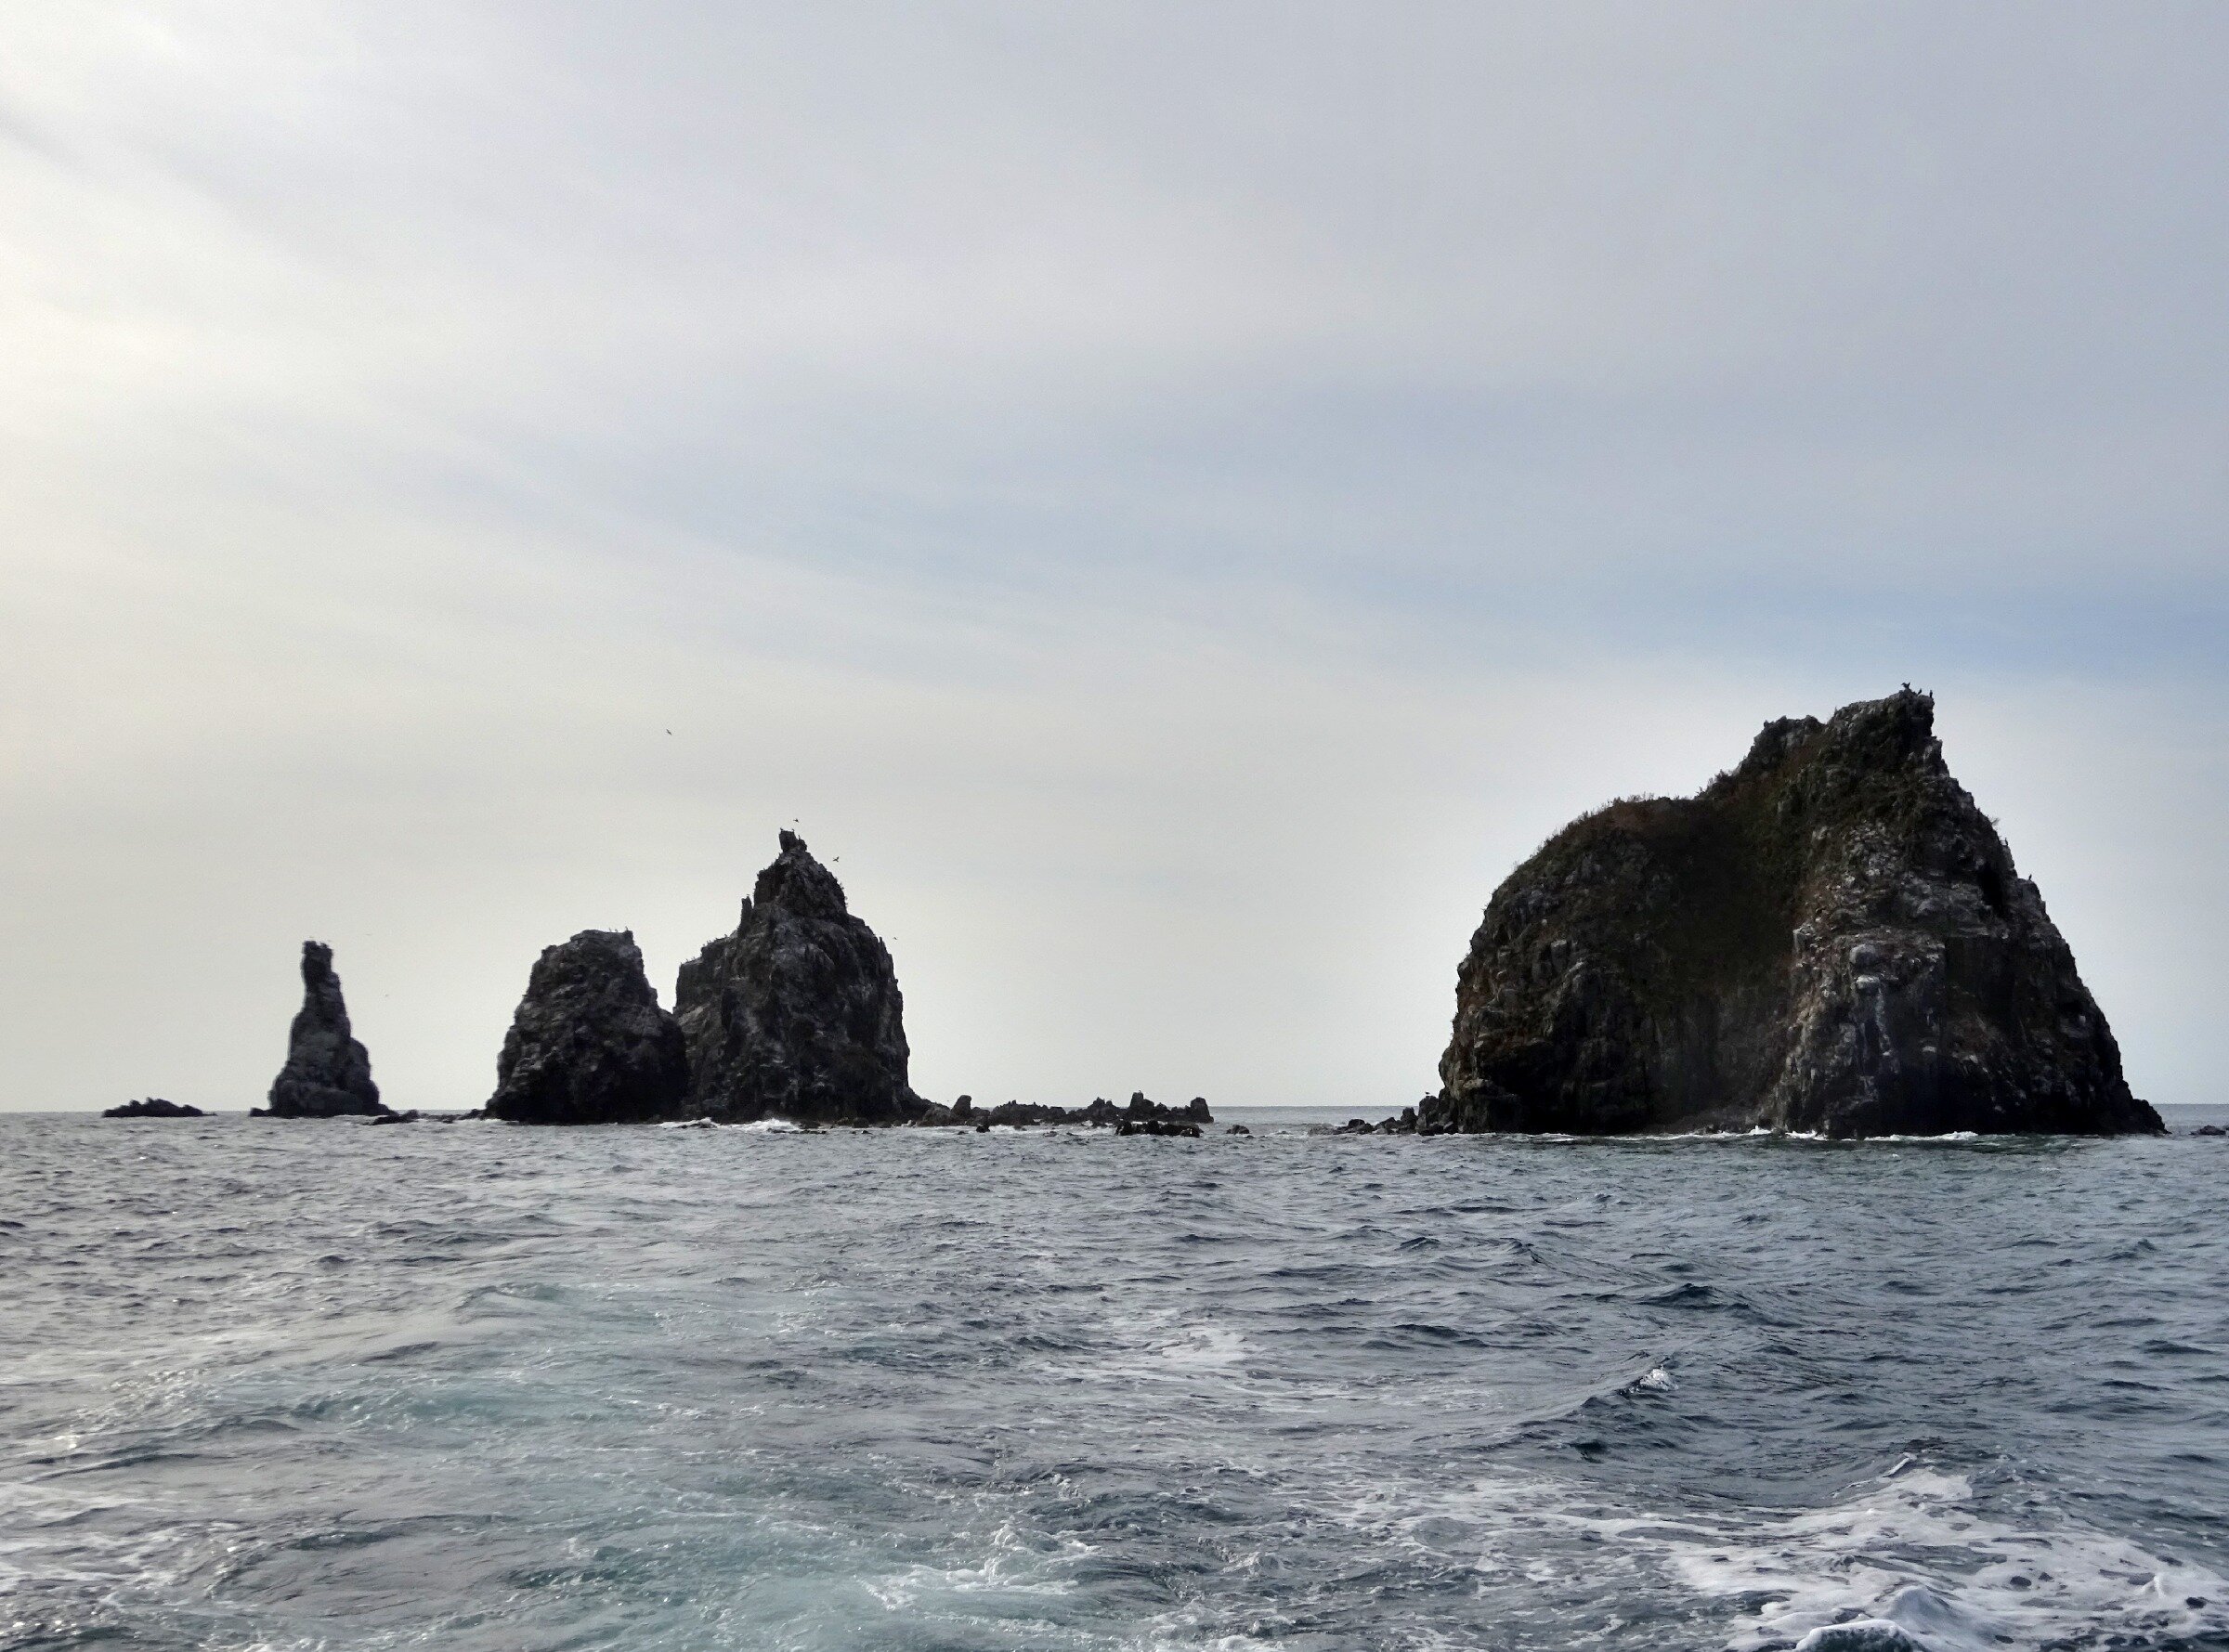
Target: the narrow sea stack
pixel 1829 938
pixel 797 1014
pixel 327 1074
pixel 590 1044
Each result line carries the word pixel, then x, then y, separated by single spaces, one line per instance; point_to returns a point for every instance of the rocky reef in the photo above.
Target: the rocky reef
pixel 1831 937
pixel 796 1015
pixel 1141 1117
pixel 589 1043
pixel 1407 1122
pixel 154 1107
pixel 327 1074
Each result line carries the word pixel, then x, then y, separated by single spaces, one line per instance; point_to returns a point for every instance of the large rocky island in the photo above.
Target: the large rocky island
pixel 590 1045
pixel 796 1015
pixel 1831 937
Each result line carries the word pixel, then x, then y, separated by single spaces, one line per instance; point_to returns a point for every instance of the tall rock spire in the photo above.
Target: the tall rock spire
pixel 327 1074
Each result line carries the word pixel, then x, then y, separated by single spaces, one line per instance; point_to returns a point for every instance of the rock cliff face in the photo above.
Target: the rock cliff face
pixel 590 1045
pixel 797 1014
pixel 1831 938
pixel 327 1074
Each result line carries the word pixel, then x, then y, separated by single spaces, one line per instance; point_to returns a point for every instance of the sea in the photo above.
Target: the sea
pixel 277 1386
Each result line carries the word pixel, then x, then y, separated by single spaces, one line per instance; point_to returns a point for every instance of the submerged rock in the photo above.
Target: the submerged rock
pixel 796 1015
pixel 589 1043
pixel 154 1107
pixel 1156 1126
pixel 1864 1634
pixel 327 1074
pixel 1831 937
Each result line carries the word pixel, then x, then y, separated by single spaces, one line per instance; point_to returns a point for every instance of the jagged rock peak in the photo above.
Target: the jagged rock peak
pixel 797 1014
pixel 796 882
pixel 589 1043
pixel 1870 737
pixel 327 1074
pixel 1831 936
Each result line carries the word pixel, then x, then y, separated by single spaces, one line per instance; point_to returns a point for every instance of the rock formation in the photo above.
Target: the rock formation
pixel 589 1043
pixel 1828 938
pixel 797 1014
pixel 1141 1117
pixel 154 1107
pixel 327 1074
pixel 1404 1122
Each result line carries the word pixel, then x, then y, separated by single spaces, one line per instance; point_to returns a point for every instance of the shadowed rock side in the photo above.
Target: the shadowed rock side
pixel 796 1015
pixel 590 1045
pixel 1829 938
pixel 327 1074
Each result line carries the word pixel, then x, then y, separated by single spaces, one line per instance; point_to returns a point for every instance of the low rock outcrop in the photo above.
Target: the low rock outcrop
pixel 1102 1113
pixel 796 1015
pixel 327 1074
pixel 1135 1126
pixel 154 1107
pixel 1404 1122
pixel 1831 937
pixel 589 1043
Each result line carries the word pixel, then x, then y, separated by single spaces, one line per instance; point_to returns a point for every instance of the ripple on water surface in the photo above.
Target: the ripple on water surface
pixel 316 1386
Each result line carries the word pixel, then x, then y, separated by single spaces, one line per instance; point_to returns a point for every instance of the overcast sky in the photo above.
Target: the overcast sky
pixel 1180 498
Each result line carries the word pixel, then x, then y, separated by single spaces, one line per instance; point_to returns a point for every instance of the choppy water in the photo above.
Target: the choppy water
pixel 280 1385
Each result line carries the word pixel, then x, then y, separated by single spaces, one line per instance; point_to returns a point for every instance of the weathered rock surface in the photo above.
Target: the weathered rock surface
pixel 327 1074
pixel 1831 938
pixel 589 1043
pixel 154 1107
pixel 796 1015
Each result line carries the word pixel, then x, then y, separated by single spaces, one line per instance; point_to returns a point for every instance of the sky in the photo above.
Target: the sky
pixel 1173 501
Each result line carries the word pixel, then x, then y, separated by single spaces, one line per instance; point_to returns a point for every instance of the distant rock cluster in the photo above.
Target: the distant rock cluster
pixel 154 1107
pixel 1828 938
pixel 796 1015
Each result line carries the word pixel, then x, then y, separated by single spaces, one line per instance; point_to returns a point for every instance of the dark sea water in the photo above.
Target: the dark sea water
pixel 285 1385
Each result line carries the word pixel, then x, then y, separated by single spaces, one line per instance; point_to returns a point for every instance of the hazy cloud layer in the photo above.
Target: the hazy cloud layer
pixel 1178 498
